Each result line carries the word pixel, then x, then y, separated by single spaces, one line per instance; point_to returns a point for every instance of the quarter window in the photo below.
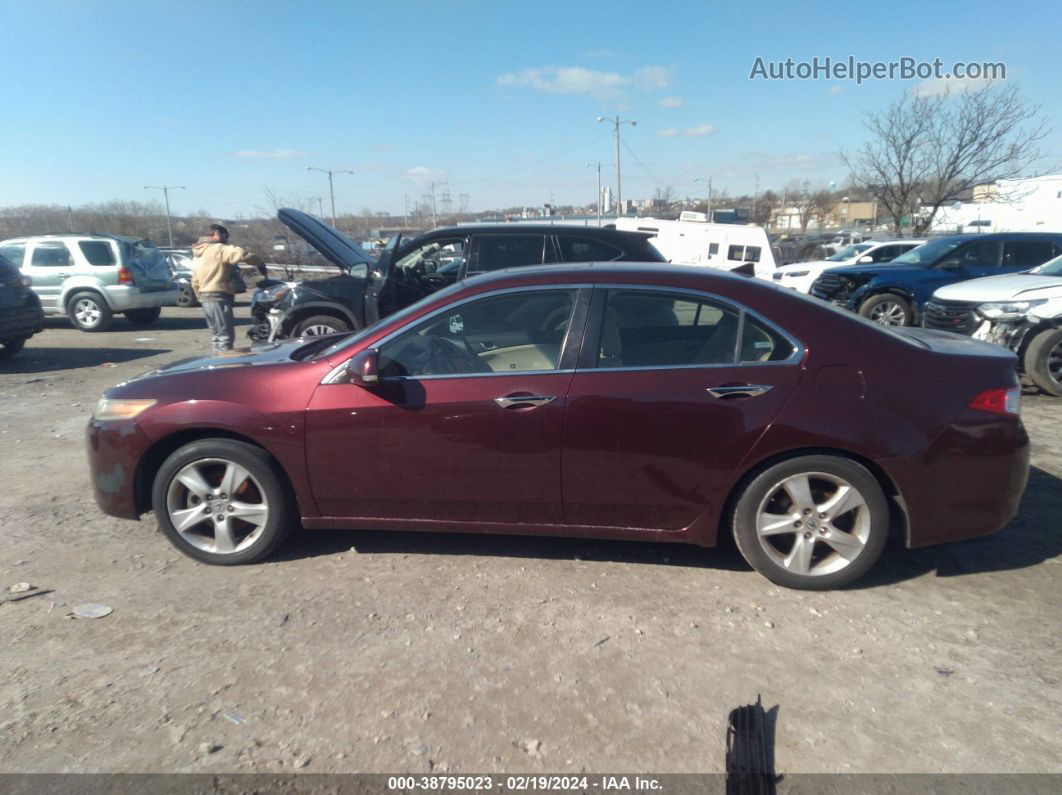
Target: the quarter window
pixel 53 255
pixel 509 251
pixel 512 332
pixel 762 344
pixel 97 252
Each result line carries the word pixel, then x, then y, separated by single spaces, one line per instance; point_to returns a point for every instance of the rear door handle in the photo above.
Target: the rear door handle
pixel 524 401
pixel 742 390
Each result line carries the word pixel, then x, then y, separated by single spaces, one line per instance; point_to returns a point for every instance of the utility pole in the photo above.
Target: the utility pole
pixel 320 206
pixel 616 122
pixel 166 195
pixel 70 217
pixel 331 190
pixel 434 217
pixel 405 199
pixel 597 165
pixel 755 191
pixel 709 206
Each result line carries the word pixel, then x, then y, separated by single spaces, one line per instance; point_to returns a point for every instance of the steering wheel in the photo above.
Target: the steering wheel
pixel 448 357
pixel 557 320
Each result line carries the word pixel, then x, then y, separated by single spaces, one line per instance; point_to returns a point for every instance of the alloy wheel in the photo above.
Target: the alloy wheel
pixel 87 312
pixel 1054 363
pixel 889 313
pixel 813 523
pixel 217 505
pixel 317 330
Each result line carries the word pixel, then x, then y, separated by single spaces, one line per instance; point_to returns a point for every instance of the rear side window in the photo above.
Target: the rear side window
pixel 583 249
pixel 97 252
pixel 509 251
pixel 54 255
pixel 647 329
pixel 1027 253
pixel 14 253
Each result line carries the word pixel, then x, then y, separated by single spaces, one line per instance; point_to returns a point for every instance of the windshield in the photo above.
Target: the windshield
pixel 849 252
pixel 929 253
pixel 1050 268
pixel 400 315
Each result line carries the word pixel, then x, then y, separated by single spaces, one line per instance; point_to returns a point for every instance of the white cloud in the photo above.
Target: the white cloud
pixel 699 131
pixel 580 80
pixel 671 102
pixel 837 89
pixel 423 174
pixel 939 86
pixel 275 154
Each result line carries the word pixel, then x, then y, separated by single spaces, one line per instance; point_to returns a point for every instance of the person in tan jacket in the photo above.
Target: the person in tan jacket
pixel 214 281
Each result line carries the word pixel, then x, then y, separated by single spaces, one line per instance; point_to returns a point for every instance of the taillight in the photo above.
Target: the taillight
pixel 1005 401
pixel 125 276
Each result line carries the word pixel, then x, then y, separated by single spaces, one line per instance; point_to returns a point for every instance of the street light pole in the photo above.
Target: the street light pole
pixel 616 122
pixel 598 166
pixel 331 190
pixel 709 205
pixel 166 195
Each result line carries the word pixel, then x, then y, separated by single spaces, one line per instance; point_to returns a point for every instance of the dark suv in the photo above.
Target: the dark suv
pixel 895 293
pixel 20 309
pixel 366 290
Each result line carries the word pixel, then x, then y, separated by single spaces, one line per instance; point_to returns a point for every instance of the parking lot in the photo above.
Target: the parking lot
pixel 372 651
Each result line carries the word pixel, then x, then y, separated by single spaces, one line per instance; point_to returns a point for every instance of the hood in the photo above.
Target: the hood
pixel 881 268
pixel 1008 287
pixel 275 353
pixel 333 245
pixel 811 265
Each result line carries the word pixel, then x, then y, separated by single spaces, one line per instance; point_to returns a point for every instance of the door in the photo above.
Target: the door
pixel 49 264
pixel 465 423
pixel 496 252
pixel 671 391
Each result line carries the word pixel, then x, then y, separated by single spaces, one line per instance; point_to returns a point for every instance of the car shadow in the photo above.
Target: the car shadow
pixel 1034 536
pixel 187 319
pixel 44 359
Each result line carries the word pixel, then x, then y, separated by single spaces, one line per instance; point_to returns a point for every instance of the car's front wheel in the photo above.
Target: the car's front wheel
pixel 887 309
pixel 11 347
pixel 1043 361
pixel 89 312
pixel 320 324
pixel 143 317
pixel 222 502
pixel 815 522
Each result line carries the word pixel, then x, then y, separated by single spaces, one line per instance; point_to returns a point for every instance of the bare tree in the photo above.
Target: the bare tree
pixel 666 195
pixel 929 151
pixel 810 203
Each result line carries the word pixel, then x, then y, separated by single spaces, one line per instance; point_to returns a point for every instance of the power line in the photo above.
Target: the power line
pixel 645 168
pixel 536 163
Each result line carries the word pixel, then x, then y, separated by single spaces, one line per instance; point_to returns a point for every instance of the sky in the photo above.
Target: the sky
pixel 495 102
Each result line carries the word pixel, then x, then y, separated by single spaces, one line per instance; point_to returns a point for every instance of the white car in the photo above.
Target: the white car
pixel 1022 311
pixel 801 275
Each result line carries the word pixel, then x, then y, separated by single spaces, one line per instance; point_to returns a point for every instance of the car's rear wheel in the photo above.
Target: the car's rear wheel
pixel 143 317
pixel 1043 361
pixel 320 324
pixel 89 312
pixel 222 502
pixel 186 297
pixel 887 309
pixel 11 347
pixel 814 523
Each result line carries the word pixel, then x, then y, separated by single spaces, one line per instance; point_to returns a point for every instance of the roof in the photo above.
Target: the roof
pixel 603 271
pixel 76 235
pixel 541 229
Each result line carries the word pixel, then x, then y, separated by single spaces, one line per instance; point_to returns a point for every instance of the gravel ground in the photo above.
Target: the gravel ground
pixel 393 652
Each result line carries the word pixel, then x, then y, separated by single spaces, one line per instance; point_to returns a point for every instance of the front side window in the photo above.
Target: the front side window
pixel 509 251
pixel 582 249
pixel 512 332
pixel 979 253
pixel 51 255
pixel 443 256
pixel 97 252
pixel 885 253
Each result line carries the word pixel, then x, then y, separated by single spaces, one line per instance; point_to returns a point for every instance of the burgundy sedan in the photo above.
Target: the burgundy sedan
pixel 655 402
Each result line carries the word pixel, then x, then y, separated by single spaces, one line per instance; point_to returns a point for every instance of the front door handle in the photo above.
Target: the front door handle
pixel 742 390
pixel 524 401
pixel 62 275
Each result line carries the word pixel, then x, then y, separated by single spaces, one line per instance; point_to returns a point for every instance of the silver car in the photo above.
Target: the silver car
pixel 91 278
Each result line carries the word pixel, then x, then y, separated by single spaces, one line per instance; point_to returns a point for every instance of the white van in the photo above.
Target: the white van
pixel 723 246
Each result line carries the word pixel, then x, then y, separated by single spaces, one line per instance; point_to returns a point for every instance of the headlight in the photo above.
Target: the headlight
pixel 112 409
pixel 1007 310
pixel 273 294
pixel 795 274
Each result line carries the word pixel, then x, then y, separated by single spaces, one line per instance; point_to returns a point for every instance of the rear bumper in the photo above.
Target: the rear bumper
pixel 114 448
pixel 128 297
pixel 969 483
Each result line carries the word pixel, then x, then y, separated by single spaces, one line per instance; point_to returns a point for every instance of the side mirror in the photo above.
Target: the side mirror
pixel 363 369
pixel 745 269
pixel 866 259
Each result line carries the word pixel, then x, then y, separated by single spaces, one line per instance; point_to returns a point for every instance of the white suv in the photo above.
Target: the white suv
pixel 91 278
pixel 801 275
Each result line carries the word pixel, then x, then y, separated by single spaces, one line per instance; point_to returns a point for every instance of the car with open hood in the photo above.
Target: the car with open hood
pixel 894 293
pixel 366 289
pixel 1022 311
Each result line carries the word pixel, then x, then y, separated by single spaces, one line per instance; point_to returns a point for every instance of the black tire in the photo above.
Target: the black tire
pixel 316 324
pixel 9 348
pixel 143 317
pixel 89 312
pixel 186 297
pixel 265 480
pixel 887 309
pixel 767 554
pixel 1043 361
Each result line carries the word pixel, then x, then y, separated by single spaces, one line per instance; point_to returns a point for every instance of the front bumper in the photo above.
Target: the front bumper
pixel 114 450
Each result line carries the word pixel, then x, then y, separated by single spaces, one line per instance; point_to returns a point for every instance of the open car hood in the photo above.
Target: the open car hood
pixel 334 246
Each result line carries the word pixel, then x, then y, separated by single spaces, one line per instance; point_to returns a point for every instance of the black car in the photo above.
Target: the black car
pixel 20 309
pixel 366 290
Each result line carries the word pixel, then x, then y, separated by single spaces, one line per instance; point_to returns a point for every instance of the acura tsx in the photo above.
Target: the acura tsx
pixel 643 402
